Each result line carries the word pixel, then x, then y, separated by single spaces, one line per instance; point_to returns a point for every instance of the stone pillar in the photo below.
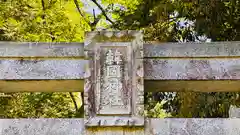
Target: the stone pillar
pixel 113 90
pixel 234 112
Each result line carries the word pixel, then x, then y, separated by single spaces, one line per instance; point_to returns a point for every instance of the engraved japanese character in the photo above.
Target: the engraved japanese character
pixel 118 57
pixel 109 57
pixel 113 71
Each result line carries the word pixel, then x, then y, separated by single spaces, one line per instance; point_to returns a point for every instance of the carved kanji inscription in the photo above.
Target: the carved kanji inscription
pixel 112 91
pixel 114 79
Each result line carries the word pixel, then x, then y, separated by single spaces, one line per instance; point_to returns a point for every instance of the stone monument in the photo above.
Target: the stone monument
pixel 113 91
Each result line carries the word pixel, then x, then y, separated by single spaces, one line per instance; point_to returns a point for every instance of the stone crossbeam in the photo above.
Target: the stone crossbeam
pixel 153 126
pixel 167 66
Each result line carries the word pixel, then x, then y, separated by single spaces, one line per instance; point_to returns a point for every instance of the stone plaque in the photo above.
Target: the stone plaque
pixel 113 91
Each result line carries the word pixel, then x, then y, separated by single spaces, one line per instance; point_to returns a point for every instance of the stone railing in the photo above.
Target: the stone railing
pixel 114 69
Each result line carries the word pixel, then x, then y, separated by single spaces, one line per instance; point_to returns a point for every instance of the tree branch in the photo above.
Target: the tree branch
pixel 96 18
pixel 95 21
pixel 103 11
pixel 82 107
pixel 43 4
pixel 80 12
pixel 74 101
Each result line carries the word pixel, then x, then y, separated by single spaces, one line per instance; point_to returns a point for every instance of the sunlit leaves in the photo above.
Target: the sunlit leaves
pixel 192 104
pixel 123 4
pixel 157 111
pixel 32 22
pixel 35 105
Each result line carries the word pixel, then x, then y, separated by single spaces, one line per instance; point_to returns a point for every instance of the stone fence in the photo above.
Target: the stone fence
pixel 114 69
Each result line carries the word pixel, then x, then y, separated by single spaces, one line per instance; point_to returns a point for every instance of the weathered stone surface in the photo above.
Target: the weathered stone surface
pixel 155 69
pixel 191 69
pixel 41 127
pixel 115 131
pixel 42 69
pixel 113 96
pixel 233 126
pixel 213 49
pixel 154 126
pixel 115 121
pixel 114 79
pixel 234 112
pixel 193 126
pixel 34 49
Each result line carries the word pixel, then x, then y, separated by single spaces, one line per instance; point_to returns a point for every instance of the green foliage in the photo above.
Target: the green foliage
pixel 41 21
pixel 36 21
pixel 39 104
pixel 157 111
pixel 160 19
pixel 127 5
pixel 193 104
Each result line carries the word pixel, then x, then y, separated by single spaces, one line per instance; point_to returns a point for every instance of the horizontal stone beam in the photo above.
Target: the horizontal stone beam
pixel 34 49
pixel 212 49
pixel 153 126
pixel 31 72
pixel 154 69
pixel 192 69
pixel 195 74
pixel 61 69
pixel 167 66
pixel 193 126
pixel 42 75
pixel 41 126
pixel 160 75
